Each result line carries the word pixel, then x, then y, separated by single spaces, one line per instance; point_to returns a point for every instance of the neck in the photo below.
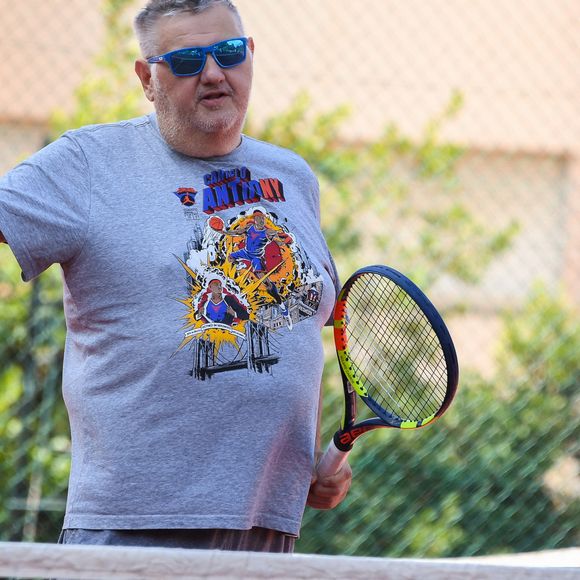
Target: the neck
pixel 210 146
pixel 199 144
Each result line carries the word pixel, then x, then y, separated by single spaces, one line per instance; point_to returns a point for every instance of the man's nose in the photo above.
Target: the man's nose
pixel 211 72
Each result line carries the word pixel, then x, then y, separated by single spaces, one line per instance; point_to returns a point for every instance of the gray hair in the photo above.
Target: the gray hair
pixel 155 9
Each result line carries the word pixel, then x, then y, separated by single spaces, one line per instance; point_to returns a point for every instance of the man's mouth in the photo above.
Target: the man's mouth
pixel 214 97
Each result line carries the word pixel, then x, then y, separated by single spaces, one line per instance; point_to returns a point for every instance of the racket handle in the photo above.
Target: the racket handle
pixel 331 461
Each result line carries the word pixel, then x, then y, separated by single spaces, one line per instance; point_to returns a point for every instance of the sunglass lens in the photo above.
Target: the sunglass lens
pixel 230 52
pixel 187 62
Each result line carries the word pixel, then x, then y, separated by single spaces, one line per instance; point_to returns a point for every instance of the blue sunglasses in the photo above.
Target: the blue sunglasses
pixel 188 62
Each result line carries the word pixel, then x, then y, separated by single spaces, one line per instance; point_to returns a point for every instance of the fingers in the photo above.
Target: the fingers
pixel 327 492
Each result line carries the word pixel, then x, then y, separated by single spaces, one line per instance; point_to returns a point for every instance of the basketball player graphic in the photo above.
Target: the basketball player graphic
pixel 257 237
pixel 220 306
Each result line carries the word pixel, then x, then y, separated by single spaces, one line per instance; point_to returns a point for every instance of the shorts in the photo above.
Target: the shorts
pixel 252 540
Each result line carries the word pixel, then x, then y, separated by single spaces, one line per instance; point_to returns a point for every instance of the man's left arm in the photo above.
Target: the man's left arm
pixel 327 492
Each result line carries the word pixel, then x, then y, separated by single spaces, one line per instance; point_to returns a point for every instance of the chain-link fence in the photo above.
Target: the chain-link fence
pixel 446 138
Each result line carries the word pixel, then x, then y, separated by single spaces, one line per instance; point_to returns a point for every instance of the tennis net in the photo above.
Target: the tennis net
pixel 30 560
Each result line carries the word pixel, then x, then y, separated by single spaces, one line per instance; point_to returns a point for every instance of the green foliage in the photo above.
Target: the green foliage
pixel 372 192
pixel 534 355
pixel 476 482
pixel 34 457
pixel 452 236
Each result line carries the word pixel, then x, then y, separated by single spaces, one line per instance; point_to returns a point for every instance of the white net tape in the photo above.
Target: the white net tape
pixel 27 560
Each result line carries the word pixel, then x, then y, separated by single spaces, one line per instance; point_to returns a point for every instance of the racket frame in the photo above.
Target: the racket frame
pixel 349 430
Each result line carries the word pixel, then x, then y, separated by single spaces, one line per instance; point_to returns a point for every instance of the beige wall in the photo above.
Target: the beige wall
pixel 515 61
pixel 46 47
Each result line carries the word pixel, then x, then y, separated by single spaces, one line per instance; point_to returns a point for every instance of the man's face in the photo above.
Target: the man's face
pixel 216 287
pixel 212 103
pixel 259 220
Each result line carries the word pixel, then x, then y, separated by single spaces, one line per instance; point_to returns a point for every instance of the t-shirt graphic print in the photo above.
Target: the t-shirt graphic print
pixel 249 278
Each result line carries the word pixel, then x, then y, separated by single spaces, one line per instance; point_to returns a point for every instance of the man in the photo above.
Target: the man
pixel 158 458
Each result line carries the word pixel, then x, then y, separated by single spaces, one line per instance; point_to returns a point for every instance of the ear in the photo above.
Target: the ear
pixel 251 44
pixel 143 71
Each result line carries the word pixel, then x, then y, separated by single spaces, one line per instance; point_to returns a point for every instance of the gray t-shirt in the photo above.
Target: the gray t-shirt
pixel 195 291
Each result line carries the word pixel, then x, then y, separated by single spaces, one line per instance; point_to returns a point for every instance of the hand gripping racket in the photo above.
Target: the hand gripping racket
pixel 395 352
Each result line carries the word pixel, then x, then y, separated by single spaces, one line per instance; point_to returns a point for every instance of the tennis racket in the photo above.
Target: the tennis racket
pixel 395 353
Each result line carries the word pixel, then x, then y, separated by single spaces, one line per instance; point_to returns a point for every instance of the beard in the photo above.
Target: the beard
pixel 181 127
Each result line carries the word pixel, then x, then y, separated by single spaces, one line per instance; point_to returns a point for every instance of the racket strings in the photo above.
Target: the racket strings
pixel 373 358
pixel 403 358
pixel 410 400
pixel 412 394
pixel 394 350
pixel 419 352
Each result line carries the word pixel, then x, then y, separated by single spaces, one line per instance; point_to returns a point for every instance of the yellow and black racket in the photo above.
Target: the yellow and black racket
pixel 395 353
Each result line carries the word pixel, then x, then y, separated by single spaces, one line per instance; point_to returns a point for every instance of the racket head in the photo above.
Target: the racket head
pixel 394 349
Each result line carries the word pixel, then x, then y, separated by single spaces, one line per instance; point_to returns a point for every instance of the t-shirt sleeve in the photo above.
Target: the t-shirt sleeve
pixel 44 206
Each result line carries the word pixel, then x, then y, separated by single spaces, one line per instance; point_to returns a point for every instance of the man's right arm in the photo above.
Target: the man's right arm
pixel 2 238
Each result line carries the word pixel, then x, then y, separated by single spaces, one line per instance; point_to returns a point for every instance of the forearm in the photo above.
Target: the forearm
pixel 318 442
pixel 236 231
pixel 327 492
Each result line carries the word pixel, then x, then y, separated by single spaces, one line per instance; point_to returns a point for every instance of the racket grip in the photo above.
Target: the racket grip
pixel 331 461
